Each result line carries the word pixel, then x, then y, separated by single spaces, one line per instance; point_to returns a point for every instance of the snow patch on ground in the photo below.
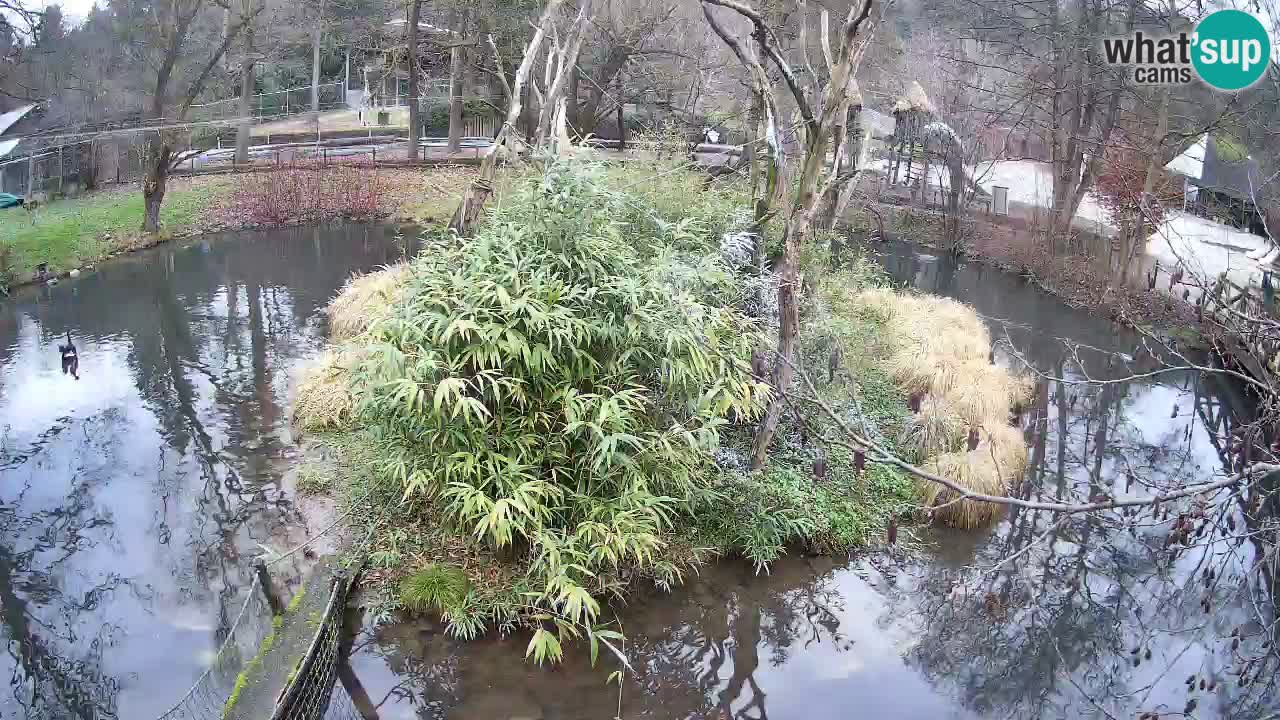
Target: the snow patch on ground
pixel 1206 248
pixel 1031 183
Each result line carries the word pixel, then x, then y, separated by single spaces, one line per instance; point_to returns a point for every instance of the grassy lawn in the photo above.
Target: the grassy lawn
pixel 72 232
pixel 427 197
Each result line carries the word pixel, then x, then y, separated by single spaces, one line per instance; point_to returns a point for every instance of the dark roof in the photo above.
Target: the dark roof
pixel 1226 174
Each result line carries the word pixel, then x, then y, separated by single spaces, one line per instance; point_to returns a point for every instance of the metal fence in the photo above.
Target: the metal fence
pixel 278 104
pixel 63 169
pixel 76 159
pixel 68 168
pixel 430 92
pixel 312 689
pixel 207 698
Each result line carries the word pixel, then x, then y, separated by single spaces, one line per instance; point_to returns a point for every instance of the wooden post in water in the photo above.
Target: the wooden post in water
pixel 264 579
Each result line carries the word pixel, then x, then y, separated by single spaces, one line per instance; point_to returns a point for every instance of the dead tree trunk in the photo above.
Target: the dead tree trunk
pixel 751 145
pixel 560 63
pixel 833 103
pixel 507 140
pixel 839 163
pixel 856 146
pixel 572 101
pixel 847 167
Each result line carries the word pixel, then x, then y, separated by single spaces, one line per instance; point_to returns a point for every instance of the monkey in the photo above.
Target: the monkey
pixel 833 364
pixel 70 358
pixel 973 438
pixel 819 467
pixel 891 532
pixel 859 461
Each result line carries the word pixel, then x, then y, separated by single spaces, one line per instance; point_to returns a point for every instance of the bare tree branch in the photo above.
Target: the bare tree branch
pixel 769 42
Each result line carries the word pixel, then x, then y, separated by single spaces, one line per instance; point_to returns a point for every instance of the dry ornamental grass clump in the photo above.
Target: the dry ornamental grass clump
pixel 940 348
pixel 364 300
pixel 936 429
pixel 324 399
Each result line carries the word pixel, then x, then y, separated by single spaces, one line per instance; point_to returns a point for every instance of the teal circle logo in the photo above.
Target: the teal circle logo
pixel 1231 50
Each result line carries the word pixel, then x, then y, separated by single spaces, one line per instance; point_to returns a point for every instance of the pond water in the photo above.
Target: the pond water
pixel 945 632
pixel 132 499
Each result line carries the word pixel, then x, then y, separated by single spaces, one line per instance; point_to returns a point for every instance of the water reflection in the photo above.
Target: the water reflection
pixel 131 500
pixel 800 643
pixel 1094 616
pixel 1039 617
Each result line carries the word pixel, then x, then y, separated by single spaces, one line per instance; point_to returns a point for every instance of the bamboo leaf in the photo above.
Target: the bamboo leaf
pixel 543 647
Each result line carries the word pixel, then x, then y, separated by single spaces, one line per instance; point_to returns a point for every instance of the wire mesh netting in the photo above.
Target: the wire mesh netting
pixel 280 103
pixel 239 645
pixel 312 689
pixel 59 168
pixel 55 167
pixel 339 705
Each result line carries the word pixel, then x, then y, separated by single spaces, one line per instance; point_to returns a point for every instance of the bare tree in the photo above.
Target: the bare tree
pixel 560 63
pixel 316 34
pixel 185 44
pixel 19 19
pixel 411 37
pixel 821 110
pixel 622 35
pixel 248 60
pixel 508 141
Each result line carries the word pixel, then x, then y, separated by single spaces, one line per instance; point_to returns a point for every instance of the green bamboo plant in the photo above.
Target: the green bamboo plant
pixel 555 386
